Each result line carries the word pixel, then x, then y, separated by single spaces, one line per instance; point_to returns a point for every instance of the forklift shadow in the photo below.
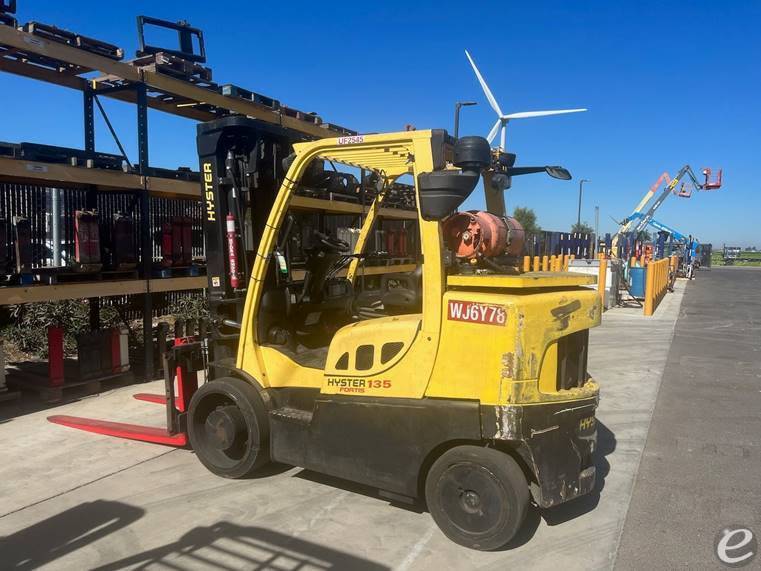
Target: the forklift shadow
pixel 525 534
pixel 606 444
pixel 61 534
pixel 361 489
pixel 226 546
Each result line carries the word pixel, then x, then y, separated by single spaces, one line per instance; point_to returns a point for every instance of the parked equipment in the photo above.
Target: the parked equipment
pixel 183 61
pixel 124 253
pixel 5 258
pixel 87 241
pixel 61 36
pixel 177 242
pixel 630 227
pixel 22 235
pixel 61 155
pixel 296 375
pixel 7 9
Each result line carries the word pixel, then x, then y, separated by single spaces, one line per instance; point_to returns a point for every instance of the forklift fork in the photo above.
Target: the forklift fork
pixel 175 363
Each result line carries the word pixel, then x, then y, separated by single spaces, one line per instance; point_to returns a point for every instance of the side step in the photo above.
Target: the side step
pixel 292 415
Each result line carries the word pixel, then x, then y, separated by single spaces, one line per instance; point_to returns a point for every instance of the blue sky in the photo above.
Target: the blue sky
pixel 667 83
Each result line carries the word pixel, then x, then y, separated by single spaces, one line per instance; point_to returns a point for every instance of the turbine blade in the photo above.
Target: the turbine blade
pixel 487 91
pixel 493 132
pixel 526 114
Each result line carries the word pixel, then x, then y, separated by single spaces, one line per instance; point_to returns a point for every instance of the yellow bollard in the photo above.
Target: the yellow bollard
pixel 633 263
pixel 565 262
pixel 553 261
pixel 602 278
pixel 526 263
pixel 545 263
pixel 536 263
pixel 649 285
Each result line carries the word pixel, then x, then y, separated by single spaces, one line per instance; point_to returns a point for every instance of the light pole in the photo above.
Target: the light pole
pixel 581 187
pixel 457 106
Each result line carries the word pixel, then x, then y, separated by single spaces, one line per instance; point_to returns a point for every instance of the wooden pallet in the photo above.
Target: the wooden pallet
pixel 64 276
pixel 32 381
pixel 6 394
pixel 178 271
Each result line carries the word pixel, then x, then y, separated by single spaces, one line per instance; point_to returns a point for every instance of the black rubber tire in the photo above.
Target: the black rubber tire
pixel 240 417
pixel 477 496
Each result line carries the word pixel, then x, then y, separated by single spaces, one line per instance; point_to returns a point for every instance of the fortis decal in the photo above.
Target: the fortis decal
pixel 350 385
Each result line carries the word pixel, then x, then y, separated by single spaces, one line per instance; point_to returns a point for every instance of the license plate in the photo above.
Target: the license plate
pixel 474 312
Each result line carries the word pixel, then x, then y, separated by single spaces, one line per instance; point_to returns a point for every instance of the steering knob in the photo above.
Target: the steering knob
pixel 331 242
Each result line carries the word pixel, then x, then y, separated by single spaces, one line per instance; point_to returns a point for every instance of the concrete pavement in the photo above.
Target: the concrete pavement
pixel 75 500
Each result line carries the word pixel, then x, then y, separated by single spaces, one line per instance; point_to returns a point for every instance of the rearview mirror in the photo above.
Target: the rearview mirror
pixel 558 172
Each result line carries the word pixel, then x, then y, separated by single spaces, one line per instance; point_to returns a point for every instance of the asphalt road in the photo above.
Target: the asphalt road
pixel 701 468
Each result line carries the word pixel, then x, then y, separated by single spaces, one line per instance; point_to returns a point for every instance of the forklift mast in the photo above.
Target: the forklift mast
pixel 241 163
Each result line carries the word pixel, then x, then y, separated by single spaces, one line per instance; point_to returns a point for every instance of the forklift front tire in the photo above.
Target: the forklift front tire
pixel 228 428
pixel 477 496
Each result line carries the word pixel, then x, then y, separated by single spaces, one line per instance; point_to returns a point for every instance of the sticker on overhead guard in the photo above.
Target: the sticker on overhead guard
pixel 474 312
pixel 215 281
pixel 351 140
pixel 31 167
pixel 34 41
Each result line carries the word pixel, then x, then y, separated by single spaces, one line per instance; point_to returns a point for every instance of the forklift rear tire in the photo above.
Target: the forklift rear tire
pixel 228 428
pixel 477 496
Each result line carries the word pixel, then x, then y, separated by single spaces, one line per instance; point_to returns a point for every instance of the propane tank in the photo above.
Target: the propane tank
pixel 474 234
pixel 232 251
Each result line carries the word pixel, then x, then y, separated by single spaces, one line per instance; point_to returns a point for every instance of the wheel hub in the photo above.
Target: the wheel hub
pixel 224 427
pixel 471 498
pixel 471 501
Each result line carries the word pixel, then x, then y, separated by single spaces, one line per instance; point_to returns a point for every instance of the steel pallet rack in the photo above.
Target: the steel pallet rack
pixel 25 54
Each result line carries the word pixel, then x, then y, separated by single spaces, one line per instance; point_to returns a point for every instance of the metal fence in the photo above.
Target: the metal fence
pixel 549 243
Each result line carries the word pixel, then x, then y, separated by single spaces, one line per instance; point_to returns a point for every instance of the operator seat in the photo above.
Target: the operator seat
pixel 402 293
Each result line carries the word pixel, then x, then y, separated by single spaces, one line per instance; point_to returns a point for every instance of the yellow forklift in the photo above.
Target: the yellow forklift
pixel 452 378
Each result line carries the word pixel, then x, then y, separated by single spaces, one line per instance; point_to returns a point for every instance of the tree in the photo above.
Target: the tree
pixel 644 236
pixel 583 228
pixel 527 219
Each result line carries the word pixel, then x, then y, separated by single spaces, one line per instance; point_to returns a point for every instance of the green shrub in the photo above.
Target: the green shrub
pixel 28 327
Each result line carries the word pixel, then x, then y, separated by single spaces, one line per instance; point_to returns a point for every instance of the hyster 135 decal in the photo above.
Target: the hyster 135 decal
pixel 475 312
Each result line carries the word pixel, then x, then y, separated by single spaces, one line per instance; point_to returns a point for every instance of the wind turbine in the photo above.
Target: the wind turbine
pixel 502 119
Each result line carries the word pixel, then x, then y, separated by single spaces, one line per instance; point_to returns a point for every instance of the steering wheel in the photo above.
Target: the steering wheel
pixel 332 243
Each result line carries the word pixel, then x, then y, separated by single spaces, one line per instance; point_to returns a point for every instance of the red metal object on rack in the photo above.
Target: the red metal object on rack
pixel 86 238
pixel 124 253
pixel 166 245
pixel 177 241
pixel 187 241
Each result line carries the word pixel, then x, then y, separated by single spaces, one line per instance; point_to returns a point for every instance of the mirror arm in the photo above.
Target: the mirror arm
pixel 517 171
pixel 495 198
